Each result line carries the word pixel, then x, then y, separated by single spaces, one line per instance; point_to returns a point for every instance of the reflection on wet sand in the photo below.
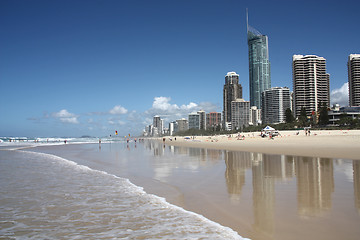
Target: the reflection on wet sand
pixel 235 172
pixel 312 182
pixel 356 167
pixel 315 184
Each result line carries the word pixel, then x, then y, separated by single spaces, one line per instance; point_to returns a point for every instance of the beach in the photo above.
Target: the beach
pixel 320 143
pixel 185 189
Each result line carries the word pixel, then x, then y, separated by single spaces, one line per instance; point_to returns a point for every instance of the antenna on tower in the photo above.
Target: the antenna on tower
pixel 247 20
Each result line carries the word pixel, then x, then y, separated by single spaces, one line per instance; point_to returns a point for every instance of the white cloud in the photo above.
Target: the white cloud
pixel 163 107
pixel 66 117
pixel 117 110
pixel 340 95
pixel 162 103
pixel 190 106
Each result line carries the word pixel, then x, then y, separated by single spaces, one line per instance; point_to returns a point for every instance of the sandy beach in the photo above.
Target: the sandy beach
pixel 260 196
pixel 343 144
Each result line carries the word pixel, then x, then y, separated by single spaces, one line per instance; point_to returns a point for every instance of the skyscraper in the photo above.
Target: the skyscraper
pixel 194 120
pixel 213 120
pixel 202 115
pixel 232 91
pixel 354 79
pixel 255 116
pixel 275 101
pixel 240 114
pixel 182 125
pixel 259 64
pixel 157 126
pixel 310 83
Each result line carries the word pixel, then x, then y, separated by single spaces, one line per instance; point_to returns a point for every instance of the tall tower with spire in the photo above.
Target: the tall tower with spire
pixel 259 64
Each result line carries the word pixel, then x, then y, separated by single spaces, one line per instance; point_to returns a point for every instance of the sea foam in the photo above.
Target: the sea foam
pixel 73 201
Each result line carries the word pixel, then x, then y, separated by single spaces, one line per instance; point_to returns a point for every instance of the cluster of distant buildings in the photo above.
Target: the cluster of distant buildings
pixel 267 105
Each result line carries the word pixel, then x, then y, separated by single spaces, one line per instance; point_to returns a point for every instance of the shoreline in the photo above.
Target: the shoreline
pixel 344 144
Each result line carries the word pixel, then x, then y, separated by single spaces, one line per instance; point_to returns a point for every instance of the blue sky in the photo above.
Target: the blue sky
pixel 72 68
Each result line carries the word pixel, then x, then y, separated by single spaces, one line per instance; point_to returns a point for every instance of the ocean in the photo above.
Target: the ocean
pixel 44 196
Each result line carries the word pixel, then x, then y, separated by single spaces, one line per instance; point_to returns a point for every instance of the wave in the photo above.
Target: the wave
pixel 167 220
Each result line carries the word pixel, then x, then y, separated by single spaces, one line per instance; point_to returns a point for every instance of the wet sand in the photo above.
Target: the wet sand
pixel 326 143
pixel 261 196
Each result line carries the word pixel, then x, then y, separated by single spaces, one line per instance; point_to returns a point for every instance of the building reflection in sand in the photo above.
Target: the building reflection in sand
pixel 314 178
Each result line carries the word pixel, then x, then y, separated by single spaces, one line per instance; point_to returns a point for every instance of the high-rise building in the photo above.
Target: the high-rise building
pixel 259 64
pixel 255 116
pixel 157 126
pixel 240 114
pixel 232 91
pixel 310 83
pixel 213 120
pixel 173 128
pixel 354 79
pixel 202 115
pixel 275 101
pixel 182 125
pixel 194 121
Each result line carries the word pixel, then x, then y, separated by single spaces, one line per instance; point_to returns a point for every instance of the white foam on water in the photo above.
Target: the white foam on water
pixel 91 204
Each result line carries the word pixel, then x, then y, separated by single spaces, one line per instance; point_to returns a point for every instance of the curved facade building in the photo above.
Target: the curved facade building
pixel 259 65
pixel 354 79
pixel 310 83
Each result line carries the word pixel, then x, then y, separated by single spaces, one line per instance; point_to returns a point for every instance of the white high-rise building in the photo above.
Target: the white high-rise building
pixel 275 101
pixel 173 128
pixel 157 126
pixel 354 79
pixel 255 116
pixel 310 83
pixel 202 115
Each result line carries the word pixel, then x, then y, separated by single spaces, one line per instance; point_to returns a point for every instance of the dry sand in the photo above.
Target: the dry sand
pixel 343 144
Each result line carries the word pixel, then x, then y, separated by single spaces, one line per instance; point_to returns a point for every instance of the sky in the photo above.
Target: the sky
pixel 91 67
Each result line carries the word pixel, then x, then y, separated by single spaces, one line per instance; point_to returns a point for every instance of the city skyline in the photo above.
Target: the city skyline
pixel 90 67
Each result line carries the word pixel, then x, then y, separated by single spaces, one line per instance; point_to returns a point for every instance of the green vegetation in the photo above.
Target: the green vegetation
pixel 345 122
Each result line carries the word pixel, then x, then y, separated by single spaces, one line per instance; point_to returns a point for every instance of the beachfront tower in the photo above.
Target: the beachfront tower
pixel 202 115
pixel 240 114
pixel 194 120
pixel 182 125
pixel 213 120
pixel 354 79
pixel 310 83
pixel 157 126
pixel 232 91
pixel 275 101
pixel 259 64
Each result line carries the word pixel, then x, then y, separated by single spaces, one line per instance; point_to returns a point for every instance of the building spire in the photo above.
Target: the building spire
pixel 247 20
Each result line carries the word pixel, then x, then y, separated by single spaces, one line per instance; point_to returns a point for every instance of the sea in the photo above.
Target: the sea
pixel 45 196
